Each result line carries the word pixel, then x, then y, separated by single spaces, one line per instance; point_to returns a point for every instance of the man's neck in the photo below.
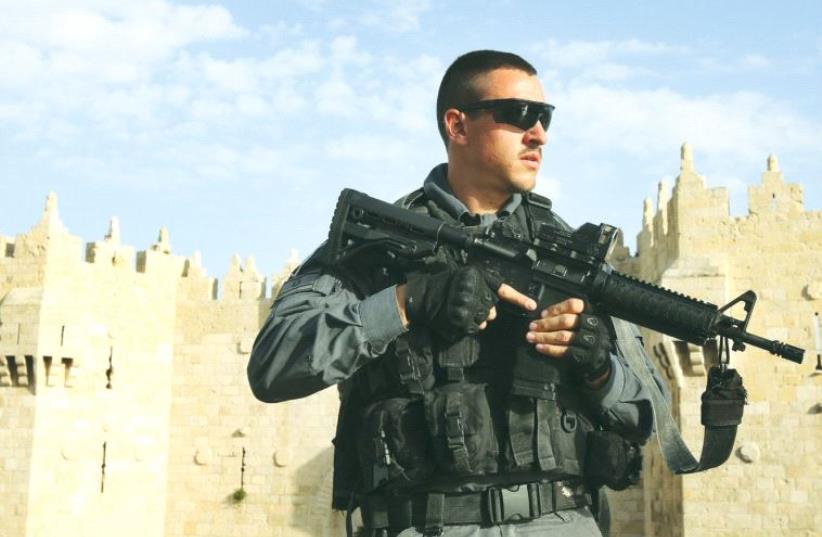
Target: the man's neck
pixel 476 199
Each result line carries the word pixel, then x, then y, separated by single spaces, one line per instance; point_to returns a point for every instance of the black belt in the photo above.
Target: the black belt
pixel 493 506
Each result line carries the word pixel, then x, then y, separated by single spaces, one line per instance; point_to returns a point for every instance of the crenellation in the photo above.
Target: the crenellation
pixel 776 249
pixel 48 240
pixel 243 281
pixel 6 247
pixel 194 266
pixel 775 199
pixel 110 250
pixel 195 283
pixel 163 244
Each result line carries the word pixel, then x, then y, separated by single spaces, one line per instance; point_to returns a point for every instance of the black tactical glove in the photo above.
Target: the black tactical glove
pixel 454 303
pixel 590 348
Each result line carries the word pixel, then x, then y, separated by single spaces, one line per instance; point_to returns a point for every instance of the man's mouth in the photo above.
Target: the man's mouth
pixel 531 157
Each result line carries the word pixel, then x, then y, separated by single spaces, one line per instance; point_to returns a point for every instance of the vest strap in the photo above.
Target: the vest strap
pixel 429 512
pixel 409 375
pixel 455 431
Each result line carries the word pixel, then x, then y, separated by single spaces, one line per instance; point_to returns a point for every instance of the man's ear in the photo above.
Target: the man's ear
pixel 455 128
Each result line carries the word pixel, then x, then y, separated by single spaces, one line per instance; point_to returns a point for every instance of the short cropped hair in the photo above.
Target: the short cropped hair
pixel 458 86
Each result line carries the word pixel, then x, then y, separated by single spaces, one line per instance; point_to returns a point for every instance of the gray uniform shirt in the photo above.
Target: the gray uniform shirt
pixel 319 333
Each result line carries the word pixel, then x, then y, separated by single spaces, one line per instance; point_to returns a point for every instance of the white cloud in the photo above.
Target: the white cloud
pixel 313 5
pixel 578 53
pixel 344 51
pixel 391 16
pixel 281 32
pixel 550 187
pixel 367 148
pixel 755 61
pixel 20 64
pixel 743 125
pixel 237 76
pixel 109 41
pixel 618 60
pixel 610 72
pixel 304 59
pixel 336 97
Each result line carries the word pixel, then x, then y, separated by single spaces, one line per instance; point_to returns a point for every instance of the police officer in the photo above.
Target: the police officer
pixel 457 417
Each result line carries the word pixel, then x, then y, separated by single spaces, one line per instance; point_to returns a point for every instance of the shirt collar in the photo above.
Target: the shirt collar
pixel 437 189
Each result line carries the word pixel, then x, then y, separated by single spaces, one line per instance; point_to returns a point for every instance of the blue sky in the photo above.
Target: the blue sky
pixel 236 124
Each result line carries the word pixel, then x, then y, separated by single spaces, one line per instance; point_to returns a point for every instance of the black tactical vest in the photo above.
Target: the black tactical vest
pixel 486 410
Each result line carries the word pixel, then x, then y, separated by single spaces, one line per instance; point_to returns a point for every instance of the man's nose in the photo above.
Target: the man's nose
pixel 536 135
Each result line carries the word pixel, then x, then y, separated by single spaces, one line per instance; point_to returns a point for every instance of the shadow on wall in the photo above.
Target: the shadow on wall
pixel 313 514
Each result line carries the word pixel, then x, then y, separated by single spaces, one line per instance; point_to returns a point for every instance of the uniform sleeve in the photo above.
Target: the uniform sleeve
pixel 623 402
pixel 317 334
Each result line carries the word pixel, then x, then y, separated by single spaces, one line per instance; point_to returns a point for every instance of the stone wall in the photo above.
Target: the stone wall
pixel 124 407
pixel 691 244
pixel 222 438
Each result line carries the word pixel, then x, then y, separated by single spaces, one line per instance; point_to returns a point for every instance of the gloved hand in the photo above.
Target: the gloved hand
pixel 590 347
pixel 454 303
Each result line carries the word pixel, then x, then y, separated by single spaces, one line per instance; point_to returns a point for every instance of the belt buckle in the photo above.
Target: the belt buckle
pixel 509 504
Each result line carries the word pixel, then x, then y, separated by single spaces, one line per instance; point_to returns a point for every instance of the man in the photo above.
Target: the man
pixel 458 417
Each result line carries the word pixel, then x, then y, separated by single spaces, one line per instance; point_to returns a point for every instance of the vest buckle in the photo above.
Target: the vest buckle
pixel 509 504
pixel 568 421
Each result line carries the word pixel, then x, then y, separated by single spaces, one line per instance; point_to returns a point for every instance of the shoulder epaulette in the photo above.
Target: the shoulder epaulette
pixel 410 199
pixel 539 201
pixel 542 209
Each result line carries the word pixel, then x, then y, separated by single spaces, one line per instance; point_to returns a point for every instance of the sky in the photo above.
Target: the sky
pixel 236 124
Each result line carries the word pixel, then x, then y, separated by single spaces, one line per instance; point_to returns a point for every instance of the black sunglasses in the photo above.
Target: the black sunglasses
pixel 520 113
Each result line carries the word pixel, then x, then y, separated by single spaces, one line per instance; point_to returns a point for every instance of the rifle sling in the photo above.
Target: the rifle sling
pixel 718 442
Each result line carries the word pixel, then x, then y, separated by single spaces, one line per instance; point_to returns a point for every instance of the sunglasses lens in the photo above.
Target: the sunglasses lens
pixel 524 115
pixel 545 118
pixel 516 114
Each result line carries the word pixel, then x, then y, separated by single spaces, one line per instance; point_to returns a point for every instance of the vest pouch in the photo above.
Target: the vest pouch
pixel 612 461
pixel 568 436
pixel 459 420
pixel 393 443
pixel 544 435
pixel 413 360
pixel 529 434
pixel 405 369
pixel 454 357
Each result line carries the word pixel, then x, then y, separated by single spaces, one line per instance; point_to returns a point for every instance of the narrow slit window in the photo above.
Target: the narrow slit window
pixel 31 373
pixel 67 363
pixel 47 360
pixel 14 375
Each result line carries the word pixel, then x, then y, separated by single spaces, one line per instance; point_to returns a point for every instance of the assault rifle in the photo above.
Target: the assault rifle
pixel 556 265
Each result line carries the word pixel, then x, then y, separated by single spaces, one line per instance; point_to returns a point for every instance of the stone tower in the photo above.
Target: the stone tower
pixel 771 486
pixel 124 408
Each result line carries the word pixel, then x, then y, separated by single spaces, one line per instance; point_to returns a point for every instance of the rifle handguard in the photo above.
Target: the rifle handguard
pixel 657 308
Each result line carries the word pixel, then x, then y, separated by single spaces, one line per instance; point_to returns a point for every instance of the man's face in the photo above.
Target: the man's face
pixel 504 158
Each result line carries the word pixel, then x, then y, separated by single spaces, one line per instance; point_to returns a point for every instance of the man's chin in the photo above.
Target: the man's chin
pixel 523 185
